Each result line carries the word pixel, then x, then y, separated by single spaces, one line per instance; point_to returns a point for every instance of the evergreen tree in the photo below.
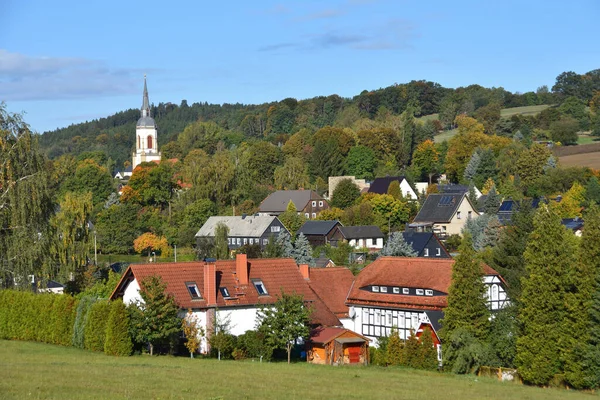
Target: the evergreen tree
pixel 592 190
pixel 273 249
pixel 95 327
pixel 428 355
pixel 118 340
pixel 491 232
pixel 154 319
pixel 472 195
pixel 492 202
pixel 302 251
pixel 396 246
pixel 412 351
pixel 221 249
pixel 467 306
pixel 284 242
pixel 345 194
pixel 472 166
pixel 394 350
pixel 394 190
pixel 543 314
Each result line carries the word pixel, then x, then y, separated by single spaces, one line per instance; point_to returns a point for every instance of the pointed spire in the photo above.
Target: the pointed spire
pixel 146 102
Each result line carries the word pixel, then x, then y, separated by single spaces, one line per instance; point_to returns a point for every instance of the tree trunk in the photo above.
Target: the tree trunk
pixel 151 349
pixel 289 351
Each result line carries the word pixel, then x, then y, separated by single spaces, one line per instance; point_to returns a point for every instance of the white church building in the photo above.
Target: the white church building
pixel 146 144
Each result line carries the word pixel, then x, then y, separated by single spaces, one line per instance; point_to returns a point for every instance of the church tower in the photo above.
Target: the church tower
pixel 146 145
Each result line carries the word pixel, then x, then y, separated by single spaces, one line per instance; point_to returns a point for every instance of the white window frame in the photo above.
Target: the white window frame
pixel 238 241
pixel 383 289
pixel 314 215
pixel 405 290
pixel 251 241
pixel 428 292
pixel 259 283
pixel 420 292
pixel 469 214
pixel 458 215
pixel 438 251
pixel 193 286
pixel 275 228
pixel 396 290
pixel 320 203
pixel 245 241
pixel 314 203
pixel 426 252
pixel 375 289
pixel 306 215
pixel 265 242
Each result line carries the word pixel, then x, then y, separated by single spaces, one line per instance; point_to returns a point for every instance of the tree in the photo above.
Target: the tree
pixel 149 242
pixel 492 202
pixel 592 190
pixel 394 350
pixel 345 194
pixel 467 307
pixel 394 190
pixel 291 219
pixel 154 319
pixel 302 251
pixel 530 163
pixel 428 358
pixel 118 340
pixel 193 332
pixel 151 184
pixel 426 159
pixel 90 177
pixel 565 131
pixel 472 166
pixel 396 246
pixel 220 337
pixel 284 242
pixel 570 205
pixel 116 228
pixel 361 162
pixel 291 175
pixel 543 314
pixel 221 249
pixel 284 322
pixel 326 159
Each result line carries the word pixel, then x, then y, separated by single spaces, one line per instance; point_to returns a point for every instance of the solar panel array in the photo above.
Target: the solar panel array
pixel 445 201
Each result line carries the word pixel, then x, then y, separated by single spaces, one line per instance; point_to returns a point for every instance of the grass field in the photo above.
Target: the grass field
pixel 527 110
pixel 591 160
pixel 587 139
pixel 38 371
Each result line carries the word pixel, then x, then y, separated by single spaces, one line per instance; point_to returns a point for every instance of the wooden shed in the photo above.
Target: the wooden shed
pixel 337 346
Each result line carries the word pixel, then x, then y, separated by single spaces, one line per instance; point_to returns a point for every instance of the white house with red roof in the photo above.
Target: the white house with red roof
pixel 406 292
pixel 231 290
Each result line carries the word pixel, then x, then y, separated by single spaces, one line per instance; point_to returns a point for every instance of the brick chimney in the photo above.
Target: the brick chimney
pixel 241 268
pixel 210 283
pixel 305 271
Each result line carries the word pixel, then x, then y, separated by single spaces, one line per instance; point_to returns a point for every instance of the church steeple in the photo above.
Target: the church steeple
pixel 146 102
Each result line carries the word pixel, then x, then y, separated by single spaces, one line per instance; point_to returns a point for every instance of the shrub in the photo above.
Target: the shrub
pixel 117 341
pixel 95 328
pixel 81 315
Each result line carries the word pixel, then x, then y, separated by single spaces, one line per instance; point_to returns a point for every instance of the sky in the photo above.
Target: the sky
pixel 64 61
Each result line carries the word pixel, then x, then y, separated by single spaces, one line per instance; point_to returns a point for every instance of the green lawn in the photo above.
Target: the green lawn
pixel 586 139
pixel 527 110
pixel 39 371
pixel 446 135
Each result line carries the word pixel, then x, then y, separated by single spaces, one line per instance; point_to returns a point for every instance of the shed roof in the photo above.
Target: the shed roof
pixel 326 335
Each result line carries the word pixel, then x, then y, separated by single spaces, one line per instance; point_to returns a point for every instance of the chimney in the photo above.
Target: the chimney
pixel 210 283
pixel 241 268
pixel 305 271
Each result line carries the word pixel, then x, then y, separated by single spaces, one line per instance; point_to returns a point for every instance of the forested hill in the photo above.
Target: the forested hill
pixel 115 135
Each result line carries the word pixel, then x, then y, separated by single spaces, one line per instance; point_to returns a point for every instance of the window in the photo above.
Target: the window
pixel 375 289
pixel 458 215
pixel 443 228
pixel 321 203
pixel 426 252
pixel 275 228
pixel 469 213
pixel 260 287
pixel 396 290
pixel 193 290
pixel 365 315
pixel 306 215
pixel 245 240
pixel 251 241
pixel 314 215
pixel 377 317
pixel 428 292
pixel 419 292
pixel 383 289
pixel 150 142
pixel 228 240
pixel 265 242
pixel 389 318
pixel 405 290
pixel 239 241
pixel 224 292
pixel 314 203
pixel 438 252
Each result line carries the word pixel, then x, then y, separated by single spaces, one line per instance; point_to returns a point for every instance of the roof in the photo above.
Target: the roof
pixel 276 274
pixel 418 240
pixel 453 189
pixel 146 122
pixel 360 232
pixel 439 207
pixel 411 272
pixel 54 285
pixel 318 227
pixel 242 226
pixel 332 285
pixel 326 335
pixel 573 223
pixel 278 201
pixel 381 185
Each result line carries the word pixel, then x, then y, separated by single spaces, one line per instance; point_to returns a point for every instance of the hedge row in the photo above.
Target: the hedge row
pixel 88 323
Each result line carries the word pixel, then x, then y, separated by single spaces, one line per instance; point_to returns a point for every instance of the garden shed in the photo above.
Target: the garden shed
pixel 337 346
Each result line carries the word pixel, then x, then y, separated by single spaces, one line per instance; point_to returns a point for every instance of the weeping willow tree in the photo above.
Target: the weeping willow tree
pixel 25 205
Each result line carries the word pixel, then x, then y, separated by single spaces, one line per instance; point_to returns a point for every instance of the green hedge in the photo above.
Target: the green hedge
pixel 95 327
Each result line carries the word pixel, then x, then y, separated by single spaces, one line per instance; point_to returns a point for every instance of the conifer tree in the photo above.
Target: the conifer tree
pixel 396 246
pixel 492 202
pixel 284 242
pixel 467 306
pixel 302 251
pixel 394 190
pixel 549 259
pixel 394 348
pixel 118 340
pixel 472 194
pixel 472 166
pixel 412 351
pixel 221 249
pixel 592 189
pixel 428 355
pixel 95 327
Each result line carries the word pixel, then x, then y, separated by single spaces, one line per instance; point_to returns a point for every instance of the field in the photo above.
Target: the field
pixel 591 160
pixel 38 371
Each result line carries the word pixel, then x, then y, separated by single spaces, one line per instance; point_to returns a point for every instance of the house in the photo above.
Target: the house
pixel 404 292
pixel 231 290
pixel 574 224
pixel 53 287
pixel 452 188
pixel 320 233
pixel 508 207
pixel 307 202
pixel 125 174
pixel 426 244
pixel 324 262
pixel 243 230
pixel 333 181
pixel 445 213
pixel 363 237
pixel 381 185
pixel 332 285
pixel 337 346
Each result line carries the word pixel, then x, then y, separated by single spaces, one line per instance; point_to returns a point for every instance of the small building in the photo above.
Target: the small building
pixel 446 213
pixel 363 237
pixel 308 203
pixel 381 185
pixel 426 244
pixel 337 346
pixel 320 233
pixel 53 287
pixel 335 180
pixel 243 230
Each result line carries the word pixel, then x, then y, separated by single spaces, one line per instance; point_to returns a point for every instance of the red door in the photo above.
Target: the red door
pixel 354 354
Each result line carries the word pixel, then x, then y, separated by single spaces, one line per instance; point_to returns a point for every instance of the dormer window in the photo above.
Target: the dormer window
pixel 419 292
pixel 224 292
pixel 396 290
pixel 426 252
pixel 260 287
pixel 193 290
pixel 428 292
pixel 375 289
pixel 383 289
pixel 405 290
pixel 438 252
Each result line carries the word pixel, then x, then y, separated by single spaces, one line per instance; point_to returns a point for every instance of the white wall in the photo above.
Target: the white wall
pixel 407 191
pixel 456 224
pixel 132 293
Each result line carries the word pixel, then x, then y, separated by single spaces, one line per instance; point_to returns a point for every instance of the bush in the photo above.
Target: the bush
pixel 95 328
pixel 81 316
pixel 117 341
pixel 253 344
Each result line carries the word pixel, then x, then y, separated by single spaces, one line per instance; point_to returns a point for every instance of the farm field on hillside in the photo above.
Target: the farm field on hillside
pixel 591 160
pixel 34 370
pixel 527 110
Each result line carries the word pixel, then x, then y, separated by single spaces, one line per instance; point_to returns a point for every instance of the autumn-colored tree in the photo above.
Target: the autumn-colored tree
pixel 487 186
pixel 531 163
pixel 570 205
pixel 425 160
pixel 149 242
pixel 331 214
pixel 292 174
pixel 193 332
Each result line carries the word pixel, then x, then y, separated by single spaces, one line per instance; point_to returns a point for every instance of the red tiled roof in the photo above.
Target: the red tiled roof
pixel 412 272
pixel 326 335
pixel 332 286
pixel 276 274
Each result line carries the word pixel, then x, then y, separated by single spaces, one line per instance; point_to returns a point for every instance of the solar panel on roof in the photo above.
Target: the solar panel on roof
pixel 445 201
pixel 506 206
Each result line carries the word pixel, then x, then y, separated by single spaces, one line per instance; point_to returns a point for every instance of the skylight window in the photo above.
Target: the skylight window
pixel 396 290
pixel 405 290
pixel 375 289
pixel 428 292
pixel 383 289
pixel 260 287
pixel 445 201
pixel 224 292
pixel 193 290
pixel 419 292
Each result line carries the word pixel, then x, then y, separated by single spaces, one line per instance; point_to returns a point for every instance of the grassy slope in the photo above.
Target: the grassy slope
pixel 33 370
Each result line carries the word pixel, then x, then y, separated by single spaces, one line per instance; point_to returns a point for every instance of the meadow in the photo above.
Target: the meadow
pixel 40 371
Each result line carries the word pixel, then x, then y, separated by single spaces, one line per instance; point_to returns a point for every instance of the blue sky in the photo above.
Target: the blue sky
pixel 66 61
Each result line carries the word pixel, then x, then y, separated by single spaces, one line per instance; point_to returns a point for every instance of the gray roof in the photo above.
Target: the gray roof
pixel 360 232
pixel 250 226
pixel 453 189
pixel 318 227
pixel 439 207
pixel 146 122
pixel 278 201
pixel 381 185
